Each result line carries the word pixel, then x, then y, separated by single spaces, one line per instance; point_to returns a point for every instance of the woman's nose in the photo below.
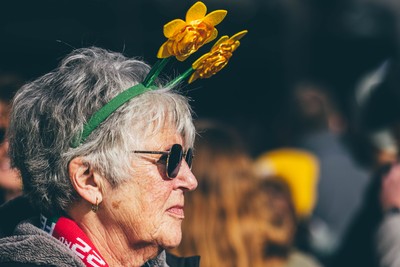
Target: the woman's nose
pixel 185 178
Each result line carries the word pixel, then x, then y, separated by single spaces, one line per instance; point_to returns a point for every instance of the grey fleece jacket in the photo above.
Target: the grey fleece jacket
pixel 30 245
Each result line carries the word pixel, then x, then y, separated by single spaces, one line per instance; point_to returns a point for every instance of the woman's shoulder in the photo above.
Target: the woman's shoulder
pixel 29 245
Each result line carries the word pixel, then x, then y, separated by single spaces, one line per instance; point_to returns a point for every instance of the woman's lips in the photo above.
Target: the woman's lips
pixel 176 211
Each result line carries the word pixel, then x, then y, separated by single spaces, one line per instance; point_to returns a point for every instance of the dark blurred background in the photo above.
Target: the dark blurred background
pixel 328 42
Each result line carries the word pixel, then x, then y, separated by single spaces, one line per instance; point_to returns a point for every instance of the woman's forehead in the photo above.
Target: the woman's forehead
pixel 163 132
pixel 163 138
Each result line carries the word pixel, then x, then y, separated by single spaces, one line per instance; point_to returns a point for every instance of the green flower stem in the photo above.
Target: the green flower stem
pixel 180 78
pixel 155 71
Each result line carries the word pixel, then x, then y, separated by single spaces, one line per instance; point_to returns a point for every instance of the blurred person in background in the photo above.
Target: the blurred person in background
pixel 374 111
pixel 269 208
pixel 213 226
pixel 10 182
pixel 318 127
pixel 388 233
pixel 383 117
pixel 377 119
pixel 234 218
pixel 298 169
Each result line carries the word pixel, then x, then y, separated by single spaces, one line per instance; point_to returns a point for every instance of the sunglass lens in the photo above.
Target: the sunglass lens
pixel 2 134
pixel 189 157
pixel 174 160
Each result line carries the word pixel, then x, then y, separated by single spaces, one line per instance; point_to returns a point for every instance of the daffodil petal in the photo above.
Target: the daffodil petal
pixel 197 11
pixel 213 35
pixel 198 62
pixel 220 41
pixel 237 44
pixel 239 35
pixel 182 58
pixel 194 77
pixel 215 17
pixel 171 27
pixel 163 51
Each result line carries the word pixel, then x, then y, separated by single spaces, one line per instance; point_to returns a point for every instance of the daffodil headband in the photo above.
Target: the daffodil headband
pixel 184 39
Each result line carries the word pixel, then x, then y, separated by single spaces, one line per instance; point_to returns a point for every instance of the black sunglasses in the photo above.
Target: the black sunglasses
pixel 2 134
pixel 174 158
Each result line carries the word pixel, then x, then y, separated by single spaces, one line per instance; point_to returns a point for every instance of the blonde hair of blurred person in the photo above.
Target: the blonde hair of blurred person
pixel 269 208
pixel 212 226
pixel 10 182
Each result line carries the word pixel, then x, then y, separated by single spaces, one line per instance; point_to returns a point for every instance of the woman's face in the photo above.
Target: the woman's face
pixel 148 209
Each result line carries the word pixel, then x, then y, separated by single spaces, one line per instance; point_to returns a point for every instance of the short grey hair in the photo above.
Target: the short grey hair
pixel 49 112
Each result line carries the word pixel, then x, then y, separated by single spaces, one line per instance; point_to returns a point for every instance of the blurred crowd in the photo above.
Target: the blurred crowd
pixel 327 192
pixel 329 198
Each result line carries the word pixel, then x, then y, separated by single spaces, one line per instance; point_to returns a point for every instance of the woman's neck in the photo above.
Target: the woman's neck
pixel 114 245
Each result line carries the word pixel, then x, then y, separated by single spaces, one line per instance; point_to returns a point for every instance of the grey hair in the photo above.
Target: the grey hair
pixel 49 112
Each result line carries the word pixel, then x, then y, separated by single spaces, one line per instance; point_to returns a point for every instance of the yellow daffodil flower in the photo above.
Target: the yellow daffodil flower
pixel 212 62
pixel 186 37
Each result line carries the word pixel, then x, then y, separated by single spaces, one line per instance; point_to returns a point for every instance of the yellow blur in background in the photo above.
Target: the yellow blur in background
pixel 299 169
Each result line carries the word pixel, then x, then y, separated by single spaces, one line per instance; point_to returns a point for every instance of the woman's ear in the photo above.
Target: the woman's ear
pixel 85 181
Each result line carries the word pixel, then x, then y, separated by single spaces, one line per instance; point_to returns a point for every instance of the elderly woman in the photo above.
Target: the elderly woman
pixel 110 191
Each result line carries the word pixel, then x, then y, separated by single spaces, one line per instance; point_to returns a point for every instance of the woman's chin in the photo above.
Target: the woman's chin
pixel 172 239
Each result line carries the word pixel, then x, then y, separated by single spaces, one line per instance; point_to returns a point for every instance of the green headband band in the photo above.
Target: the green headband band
pixel 123 97
pixel 199 26
pixel 108 109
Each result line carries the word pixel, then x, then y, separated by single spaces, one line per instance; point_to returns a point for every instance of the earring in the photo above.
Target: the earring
pixel 95 207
